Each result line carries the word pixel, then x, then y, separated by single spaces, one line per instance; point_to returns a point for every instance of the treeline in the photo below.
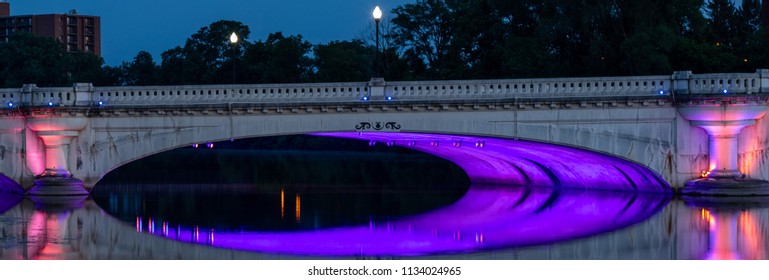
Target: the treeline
pixel 457 39
pixel 438 39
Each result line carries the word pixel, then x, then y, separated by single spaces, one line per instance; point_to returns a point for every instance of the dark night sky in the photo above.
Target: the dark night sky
pixel 155 26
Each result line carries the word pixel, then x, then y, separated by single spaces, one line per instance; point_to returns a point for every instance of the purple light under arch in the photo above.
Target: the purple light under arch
pixel 523 193
pixel 9 186
pixel 487 217
pixel 489 160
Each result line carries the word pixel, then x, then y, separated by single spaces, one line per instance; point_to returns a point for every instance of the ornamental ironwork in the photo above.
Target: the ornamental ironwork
pixel 378 126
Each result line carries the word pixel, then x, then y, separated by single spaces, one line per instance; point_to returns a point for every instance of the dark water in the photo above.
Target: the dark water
pixel 306 197
pixel 260 185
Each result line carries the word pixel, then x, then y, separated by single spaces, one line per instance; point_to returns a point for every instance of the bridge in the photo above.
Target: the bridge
pixel 668 128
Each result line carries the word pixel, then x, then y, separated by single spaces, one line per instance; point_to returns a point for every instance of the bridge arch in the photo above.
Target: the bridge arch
pixel 107 142
pixel 106 148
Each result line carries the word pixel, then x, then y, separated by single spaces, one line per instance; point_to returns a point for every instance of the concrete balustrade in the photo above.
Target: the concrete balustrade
pixel 683 82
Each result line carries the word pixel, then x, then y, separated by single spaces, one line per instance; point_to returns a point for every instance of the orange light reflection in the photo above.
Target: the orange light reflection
pixel 298 208
pixel 751 239
pixel 282 204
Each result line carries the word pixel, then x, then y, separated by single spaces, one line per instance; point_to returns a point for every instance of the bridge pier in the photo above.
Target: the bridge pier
pixel 723 121
pixel 56 134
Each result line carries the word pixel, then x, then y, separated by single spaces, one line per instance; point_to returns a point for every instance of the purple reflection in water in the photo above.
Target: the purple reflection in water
pixel 10 193
pixel 487 217
pixel 8 201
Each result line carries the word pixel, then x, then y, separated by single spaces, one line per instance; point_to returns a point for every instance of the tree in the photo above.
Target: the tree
pixel 721 22
pixel 343 61
pixel 207 56
pixel 747 45
pixel 425 31
pixel 498 39
pixel 83 67
pixel 29 59
pixel 279 59
pixel 172 68
pixel 142 71
pixel 110 76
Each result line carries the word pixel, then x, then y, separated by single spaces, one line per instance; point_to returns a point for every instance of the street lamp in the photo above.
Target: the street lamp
pixel 233 44
pixel 377 16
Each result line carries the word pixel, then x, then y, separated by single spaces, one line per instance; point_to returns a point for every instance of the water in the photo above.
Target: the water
pixel 340 199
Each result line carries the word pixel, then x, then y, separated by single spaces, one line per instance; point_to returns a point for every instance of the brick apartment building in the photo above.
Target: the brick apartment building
pixel 77 32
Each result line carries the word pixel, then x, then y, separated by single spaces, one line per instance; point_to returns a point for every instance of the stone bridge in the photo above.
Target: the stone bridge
pixel 681 126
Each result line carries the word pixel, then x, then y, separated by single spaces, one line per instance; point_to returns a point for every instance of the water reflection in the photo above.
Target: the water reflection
pixel 269 207
pixel 487 223
pixel 486 217
pixel 39 229
pixel 735 234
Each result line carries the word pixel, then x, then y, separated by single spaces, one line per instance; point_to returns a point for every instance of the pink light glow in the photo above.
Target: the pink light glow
pixel 752 242
pixel 723 237
pixel 35 153
pixel 723 123
pixel 735 235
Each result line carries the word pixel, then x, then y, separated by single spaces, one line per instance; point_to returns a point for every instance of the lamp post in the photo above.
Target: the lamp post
pixel 233 44
pixel 377 16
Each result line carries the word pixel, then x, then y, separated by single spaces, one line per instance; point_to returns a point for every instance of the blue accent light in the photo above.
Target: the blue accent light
pixel 10 104
pixel 662 92
pixel 389 98
pixel 365 98
pixel 726 91
pixel 50 103
pixel 101 103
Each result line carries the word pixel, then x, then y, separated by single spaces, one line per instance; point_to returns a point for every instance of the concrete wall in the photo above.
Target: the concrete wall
pixel 18 146
pixel 646 135
pixel 754 150
pixel 649 133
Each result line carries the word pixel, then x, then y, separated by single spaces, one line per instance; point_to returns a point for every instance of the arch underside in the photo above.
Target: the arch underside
pixel 490 160
pixel 495 213
pixel 8 186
